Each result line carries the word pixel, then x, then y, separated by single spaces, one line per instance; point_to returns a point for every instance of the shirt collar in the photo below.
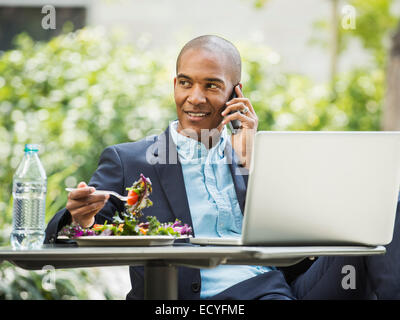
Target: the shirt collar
pixel 189 148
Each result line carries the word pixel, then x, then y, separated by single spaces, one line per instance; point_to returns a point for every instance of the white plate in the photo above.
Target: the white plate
pixel 126 241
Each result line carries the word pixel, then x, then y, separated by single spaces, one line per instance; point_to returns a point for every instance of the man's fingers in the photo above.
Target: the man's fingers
pixel 246 121
pixel 233 107
pixel 84 205
pixel 90 209
pixel 92 213
pixel 82 184
pixel 82 202
pixel 240 103
pixel 81 193
pixel 83 190
pixel 239 91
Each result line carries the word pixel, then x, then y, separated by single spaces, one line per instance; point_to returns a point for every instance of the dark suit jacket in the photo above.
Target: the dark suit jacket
pixel 156 157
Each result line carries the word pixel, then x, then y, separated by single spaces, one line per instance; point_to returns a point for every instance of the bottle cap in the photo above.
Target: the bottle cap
pixel 31 147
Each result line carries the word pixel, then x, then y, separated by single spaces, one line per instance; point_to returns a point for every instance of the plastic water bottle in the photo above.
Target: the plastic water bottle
pixel 29 193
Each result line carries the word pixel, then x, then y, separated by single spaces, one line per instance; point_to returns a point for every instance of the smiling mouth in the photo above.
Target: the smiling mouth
pixel 197 114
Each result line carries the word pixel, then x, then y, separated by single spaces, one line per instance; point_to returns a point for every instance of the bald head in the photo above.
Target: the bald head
pixel 217 45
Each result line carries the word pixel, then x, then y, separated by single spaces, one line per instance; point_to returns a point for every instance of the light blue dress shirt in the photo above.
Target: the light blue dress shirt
pixel 213 205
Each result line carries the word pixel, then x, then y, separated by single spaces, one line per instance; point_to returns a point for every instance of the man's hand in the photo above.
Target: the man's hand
pixel 242 141
pixel 84 205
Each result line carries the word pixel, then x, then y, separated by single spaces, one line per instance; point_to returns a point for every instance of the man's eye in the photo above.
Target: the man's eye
pixel 212 86
pixel 184 83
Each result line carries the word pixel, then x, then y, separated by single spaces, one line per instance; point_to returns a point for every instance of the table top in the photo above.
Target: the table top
pixel 67 256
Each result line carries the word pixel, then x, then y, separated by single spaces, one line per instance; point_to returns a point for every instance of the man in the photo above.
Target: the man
pixel 199 176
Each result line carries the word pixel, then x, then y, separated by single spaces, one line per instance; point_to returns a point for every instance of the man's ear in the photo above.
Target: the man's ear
pixel 174 82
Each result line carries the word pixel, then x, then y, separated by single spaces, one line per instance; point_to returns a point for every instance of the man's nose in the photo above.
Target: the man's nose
pixel 196 96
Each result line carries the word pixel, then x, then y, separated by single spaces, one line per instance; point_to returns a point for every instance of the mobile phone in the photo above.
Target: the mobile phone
pixel 234 125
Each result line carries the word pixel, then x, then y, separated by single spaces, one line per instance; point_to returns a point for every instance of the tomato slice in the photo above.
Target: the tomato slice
pixel 97 227
pixel 132 198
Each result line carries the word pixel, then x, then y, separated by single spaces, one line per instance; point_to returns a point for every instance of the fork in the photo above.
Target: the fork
pixel 122 198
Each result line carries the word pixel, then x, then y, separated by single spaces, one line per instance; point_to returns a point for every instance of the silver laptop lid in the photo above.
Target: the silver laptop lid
pixel 322 188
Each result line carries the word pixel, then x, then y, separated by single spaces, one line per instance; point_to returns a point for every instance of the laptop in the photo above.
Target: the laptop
pixel 320 188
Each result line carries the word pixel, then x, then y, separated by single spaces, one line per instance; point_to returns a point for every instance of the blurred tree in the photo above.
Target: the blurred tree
pixel 391 119
pixel 376 21
pixel 293 102
pixel 334 41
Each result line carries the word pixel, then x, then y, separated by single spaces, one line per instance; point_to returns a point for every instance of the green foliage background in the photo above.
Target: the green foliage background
pixel 74 96
pixel 86 90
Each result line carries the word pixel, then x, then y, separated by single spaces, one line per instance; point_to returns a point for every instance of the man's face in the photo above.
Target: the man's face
pixel 202 87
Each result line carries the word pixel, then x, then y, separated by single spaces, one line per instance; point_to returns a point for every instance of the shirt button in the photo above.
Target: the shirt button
pixel 195 287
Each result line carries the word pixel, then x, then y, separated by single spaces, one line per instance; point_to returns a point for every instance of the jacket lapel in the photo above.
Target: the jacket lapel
pixel 169 171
